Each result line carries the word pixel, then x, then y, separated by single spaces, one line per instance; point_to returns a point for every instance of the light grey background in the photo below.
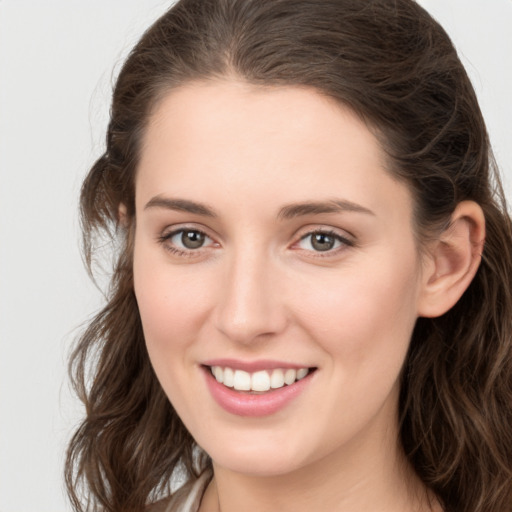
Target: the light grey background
pixel 56 63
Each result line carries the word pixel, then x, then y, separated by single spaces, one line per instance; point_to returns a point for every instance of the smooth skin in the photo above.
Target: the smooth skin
pixel 268 228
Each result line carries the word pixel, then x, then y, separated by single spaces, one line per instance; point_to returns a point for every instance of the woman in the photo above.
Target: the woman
pixel 303 314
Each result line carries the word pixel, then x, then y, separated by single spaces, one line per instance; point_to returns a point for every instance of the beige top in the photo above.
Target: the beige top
pixel 188 498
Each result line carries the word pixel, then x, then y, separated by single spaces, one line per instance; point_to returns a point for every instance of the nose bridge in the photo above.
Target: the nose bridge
pixel 250 306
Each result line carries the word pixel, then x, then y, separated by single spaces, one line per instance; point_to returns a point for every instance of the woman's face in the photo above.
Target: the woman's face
pixel 273 249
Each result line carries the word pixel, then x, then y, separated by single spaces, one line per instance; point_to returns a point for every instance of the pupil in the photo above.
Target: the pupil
pixel 192 239
pixel 322 242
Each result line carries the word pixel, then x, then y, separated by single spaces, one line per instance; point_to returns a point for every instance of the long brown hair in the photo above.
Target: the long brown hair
pixel 391 63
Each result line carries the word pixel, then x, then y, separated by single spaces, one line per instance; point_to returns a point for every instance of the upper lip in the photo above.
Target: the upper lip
pixel 253 366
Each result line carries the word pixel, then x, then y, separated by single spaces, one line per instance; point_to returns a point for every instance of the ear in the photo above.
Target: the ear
pixel 452 260
pixel 122 215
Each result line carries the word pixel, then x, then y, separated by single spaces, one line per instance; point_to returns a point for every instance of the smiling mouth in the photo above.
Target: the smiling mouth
pixel 260 381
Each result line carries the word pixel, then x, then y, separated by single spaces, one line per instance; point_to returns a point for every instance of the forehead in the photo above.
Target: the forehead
pixel 285 143
pixel 225 112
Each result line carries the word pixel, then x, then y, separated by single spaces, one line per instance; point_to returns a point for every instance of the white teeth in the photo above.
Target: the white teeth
pixel 228 377
pixel 290 376
pixel 242 381
pixel 277 379
pixel 301 373
pixel 261 381
pixel 218 373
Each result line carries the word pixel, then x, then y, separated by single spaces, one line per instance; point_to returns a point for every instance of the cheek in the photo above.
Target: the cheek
pixel 363 322
pixel 171 313
pixel 173 303
pixel 364 315
pixel 166 308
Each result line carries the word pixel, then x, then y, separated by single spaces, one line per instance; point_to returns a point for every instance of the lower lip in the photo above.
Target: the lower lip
pixel 246 404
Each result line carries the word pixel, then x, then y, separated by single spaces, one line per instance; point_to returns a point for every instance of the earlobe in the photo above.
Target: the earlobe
pixel 453 260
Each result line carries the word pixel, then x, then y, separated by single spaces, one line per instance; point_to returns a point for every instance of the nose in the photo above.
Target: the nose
pixel 251 305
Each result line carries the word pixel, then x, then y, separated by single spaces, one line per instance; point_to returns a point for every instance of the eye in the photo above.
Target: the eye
pixel 186 240
pixel 322 241
pixel 189 239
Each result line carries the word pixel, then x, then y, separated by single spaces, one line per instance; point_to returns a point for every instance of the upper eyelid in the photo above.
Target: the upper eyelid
pixel 344 241
pixel 165 236
pixel 181 230
pixel 332 232
pixel 171 230
pixel 311 229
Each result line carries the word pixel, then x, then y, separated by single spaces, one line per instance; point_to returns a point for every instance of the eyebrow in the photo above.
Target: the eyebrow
pixel 316 207
pixel 287 212
pixel 182 205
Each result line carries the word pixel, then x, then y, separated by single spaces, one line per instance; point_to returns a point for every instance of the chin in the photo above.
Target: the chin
pixel 257 459
pixel 257 466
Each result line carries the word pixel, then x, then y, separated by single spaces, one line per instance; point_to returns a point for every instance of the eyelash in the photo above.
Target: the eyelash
pixel 187 253
pixel 344 242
